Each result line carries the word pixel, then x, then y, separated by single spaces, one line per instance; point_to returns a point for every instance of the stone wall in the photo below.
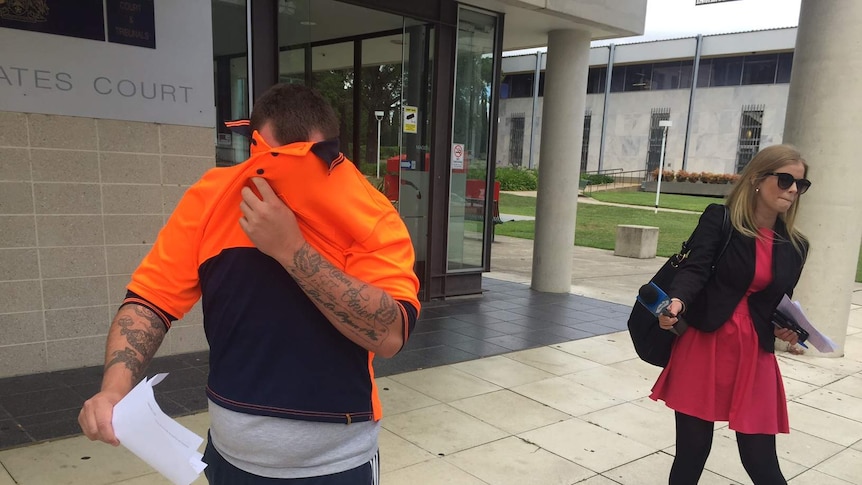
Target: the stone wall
pixel 81 202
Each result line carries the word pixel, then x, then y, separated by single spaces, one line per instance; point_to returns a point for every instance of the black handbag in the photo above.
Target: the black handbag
pixel 651 342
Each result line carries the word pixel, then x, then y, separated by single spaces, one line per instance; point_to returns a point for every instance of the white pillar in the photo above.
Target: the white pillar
pixel 559 159
pixel 824 111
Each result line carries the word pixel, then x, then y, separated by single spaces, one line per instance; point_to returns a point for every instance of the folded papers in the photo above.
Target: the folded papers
pixel 164 444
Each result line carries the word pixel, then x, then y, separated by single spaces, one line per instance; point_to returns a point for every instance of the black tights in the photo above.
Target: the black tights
pixel 694 441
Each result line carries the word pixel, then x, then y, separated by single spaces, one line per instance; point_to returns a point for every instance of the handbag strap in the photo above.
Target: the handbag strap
pixel 726 233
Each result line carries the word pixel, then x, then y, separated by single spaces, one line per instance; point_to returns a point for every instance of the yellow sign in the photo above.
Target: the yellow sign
pixel 411 119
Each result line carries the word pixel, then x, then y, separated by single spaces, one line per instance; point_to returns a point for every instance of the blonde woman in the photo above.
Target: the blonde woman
pixel 724 367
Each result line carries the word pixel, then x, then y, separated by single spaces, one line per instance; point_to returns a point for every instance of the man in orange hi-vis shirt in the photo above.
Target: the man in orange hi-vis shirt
pixel 305 272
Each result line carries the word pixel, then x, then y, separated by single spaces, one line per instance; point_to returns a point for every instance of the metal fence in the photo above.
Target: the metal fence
pixel 620 179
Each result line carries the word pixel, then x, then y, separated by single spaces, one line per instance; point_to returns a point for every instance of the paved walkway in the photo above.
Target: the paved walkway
pixel 565 413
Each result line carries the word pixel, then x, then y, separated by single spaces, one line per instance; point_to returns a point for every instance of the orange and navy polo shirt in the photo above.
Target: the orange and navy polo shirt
pixel 272 352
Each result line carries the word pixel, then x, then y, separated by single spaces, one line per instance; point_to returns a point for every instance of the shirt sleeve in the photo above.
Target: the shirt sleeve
pixel 168 275
pixel 385 259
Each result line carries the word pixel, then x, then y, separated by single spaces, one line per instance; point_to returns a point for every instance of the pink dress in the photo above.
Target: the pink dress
pixel 725 375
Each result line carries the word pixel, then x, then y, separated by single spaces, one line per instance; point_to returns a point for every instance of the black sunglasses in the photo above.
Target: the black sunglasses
pixel 785 180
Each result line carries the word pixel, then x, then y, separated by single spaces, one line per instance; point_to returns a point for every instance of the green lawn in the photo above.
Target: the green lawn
pixel 667 201
pixel 518 205
pixel 596 224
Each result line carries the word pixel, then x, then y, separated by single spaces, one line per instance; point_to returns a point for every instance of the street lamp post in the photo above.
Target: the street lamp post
pixel 379 116
pixel 664 124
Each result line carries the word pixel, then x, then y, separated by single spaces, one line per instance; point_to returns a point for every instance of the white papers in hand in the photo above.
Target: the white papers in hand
pixel 164 444
pixel 794 310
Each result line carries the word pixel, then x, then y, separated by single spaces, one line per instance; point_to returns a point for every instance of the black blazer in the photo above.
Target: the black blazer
pixel 709 302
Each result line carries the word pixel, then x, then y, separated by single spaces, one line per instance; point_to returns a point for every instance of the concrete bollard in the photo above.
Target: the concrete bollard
pixel 636 241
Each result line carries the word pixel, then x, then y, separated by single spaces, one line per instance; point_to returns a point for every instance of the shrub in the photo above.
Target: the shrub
pixel 517 178
pixel 597 179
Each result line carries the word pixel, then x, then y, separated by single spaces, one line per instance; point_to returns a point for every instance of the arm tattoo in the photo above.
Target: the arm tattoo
pixel 141 343
pixel 350 302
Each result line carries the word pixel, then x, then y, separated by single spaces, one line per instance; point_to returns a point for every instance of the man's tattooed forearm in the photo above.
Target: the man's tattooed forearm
pixel 143 332
pixel 129 358
pixel 144 341
pixel 144 312
pixel 307 262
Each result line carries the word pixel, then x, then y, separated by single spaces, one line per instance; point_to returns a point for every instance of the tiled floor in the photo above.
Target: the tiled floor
pixel 508 317
pixel 569 413
pixel 534 410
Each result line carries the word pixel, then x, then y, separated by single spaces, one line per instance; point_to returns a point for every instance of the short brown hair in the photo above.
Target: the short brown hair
pixel 294 111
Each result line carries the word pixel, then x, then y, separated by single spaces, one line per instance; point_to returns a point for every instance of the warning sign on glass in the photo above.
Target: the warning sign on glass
pixel 458 156
pixel 411 119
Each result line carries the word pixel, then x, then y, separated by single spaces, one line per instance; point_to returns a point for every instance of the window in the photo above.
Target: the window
pixel 685 72
pixel 638 77
pixel 749 135
pixel 516 140
pixel 585 143
pixel 666 75
pixel 759 69
pixel 618 79
pixel 596 80
pixel 704 73
pixel 655 135
pixel 726 71
pixel 517 86
pixel 785 64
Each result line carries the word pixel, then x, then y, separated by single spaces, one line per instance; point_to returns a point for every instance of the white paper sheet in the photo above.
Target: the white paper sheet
pixel 794 310
pixel 164 444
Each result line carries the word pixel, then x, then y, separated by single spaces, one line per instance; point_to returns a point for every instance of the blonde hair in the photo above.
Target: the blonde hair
pixel 741 201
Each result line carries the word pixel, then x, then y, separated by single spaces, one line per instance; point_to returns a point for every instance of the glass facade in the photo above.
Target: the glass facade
pixel 713 72
pixel 471 143
pixel 230 71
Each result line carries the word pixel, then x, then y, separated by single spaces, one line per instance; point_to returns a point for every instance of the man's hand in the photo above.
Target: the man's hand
pixel 96 415
pixel 787 335
pixel 269 222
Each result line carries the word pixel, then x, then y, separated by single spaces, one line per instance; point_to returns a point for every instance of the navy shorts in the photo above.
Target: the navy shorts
pixel 220 472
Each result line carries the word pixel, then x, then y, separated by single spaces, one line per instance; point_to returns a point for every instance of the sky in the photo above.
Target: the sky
pixel 667 19
pixel 680 18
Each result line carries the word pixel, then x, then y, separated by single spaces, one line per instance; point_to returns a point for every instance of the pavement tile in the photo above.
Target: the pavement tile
pixel 398 453
pixel 724 459
pixel 397 398
pixel 512 461
pixel 850 385
pixel 74 461
pixel 442 429
pixel 654 470
pixel 567 396
pixel 607 349
pixel 433 472
pixel 833 402
pixel 552 360
pixel 824 425
pixel 503 371
pixel 510 412
pixel 597 480
pixel 445 384
pixel 846 466
pixel 587 445
pixel 805 449
pixel 614 382
pixel 812 477
pixel 653 427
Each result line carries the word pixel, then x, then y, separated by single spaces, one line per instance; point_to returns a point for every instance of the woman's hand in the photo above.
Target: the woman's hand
pixel 668 318
pixel 787 335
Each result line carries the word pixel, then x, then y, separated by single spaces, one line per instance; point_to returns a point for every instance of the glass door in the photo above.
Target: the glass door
pixel 471 133
pixel 414 168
